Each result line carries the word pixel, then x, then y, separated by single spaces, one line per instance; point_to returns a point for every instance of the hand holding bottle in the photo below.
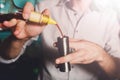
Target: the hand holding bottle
pixel 22 29
pixel 86 52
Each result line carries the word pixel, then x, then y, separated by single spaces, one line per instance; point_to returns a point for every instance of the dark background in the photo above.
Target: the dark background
pixel 26 67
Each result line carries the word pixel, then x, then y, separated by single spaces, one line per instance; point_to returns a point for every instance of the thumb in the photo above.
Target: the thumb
pixel 28 8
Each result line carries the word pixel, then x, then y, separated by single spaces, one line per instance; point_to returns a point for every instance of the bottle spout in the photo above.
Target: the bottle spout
pixel 48 20
pixel 40 18
pixel 51 21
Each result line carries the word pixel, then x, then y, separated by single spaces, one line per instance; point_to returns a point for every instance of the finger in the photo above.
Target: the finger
pixel 82 61
pixel 79 44
pixel 72 39
pixel 69 57
pixel 46 12
pixel 10 23
pixel 79 59
pixel 27 10
pixel 73 42
pixel 75 45
pixel 19 29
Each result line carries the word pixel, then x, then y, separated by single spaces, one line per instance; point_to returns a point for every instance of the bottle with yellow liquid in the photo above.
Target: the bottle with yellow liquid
pixel 36 17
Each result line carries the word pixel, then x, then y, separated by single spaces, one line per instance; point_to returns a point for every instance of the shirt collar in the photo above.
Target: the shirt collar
pixel 62 2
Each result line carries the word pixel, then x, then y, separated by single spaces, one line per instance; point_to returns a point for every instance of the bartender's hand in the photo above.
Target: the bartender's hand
pixel 85 52
pixel 88 52
pixel 20 28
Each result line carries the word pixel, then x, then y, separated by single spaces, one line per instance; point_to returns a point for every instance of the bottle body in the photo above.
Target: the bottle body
pixel 40 18
pixel 9 16
pixel 34 17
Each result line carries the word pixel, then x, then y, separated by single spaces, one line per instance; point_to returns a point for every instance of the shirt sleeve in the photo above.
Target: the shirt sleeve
pixel 2 60
pixel 113 37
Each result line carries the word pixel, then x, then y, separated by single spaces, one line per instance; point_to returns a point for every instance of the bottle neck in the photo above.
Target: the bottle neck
pixel 9 16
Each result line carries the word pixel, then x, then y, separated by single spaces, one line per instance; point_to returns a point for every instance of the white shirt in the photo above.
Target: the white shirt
pixel 95 26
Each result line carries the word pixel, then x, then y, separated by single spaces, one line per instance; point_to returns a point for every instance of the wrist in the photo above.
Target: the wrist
pixel 11 47
pixel 108 65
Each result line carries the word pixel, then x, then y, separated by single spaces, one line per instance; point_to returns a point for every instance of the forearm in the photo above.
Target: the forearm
pixel 111 66
pixel 11 47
